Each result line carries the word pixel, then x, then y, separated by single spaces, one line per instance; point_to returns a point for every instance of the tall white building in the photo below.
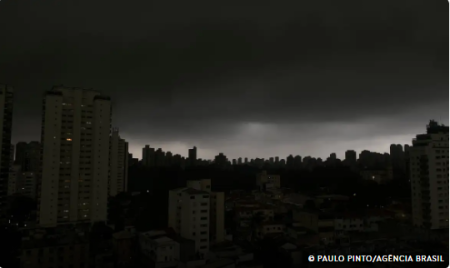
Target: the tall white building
pixel 73 186
pixel 6 109
pixel 429 177
pixel 217 209
pixel 118 177
pixel 189 216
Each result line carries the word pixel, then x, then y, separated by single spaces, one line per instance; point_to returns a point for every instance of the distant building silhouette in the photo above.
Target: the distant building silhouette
pixel 169 159
pixel 350 158
pixel 75 156
pixel 160 158
pixel 297 162
pixel 290 162
pixel 28 156
pixel 221 161
pixel 11 156
pixel 148 156
pixel 132 161
pixel 192 156
pixel 6 104
pixel 397 157
pixel 429 177
pixel 118 178
pixel 22 182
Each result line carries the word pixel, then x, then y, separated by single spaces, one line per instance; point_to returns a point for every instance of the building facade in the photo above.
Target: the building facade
pixel 28 156
pixel 266 181
pixel 158 250
pixel 189 216
pixel 428 158
pixel 148 156
pixel 76 125
pixel 217 209
pixel 118 178
pixel 6 104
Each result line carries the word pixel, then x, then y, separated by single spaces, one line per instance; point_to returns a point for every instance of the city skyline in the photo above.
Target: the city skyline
pixel 182 150
pixel 274 80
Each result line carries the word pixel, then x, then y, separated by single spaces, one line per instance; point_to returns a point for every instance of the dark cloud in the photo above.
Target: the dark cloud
pixel 246 79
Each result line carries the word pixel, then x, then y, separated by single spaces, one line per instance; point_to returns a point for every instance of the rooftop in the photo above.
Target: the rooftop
pixel 195 191
pixel 190 191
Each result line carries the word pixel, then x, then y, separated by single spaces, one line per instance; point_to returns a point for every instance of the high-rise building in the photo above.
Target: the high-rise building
pixel 28 156
pixel 297 162
pixel 75 137
pixel 22 182
pixel 290 162
pixel 193 156
pixel 148 156
pixel 11 156
pixel 398 157
pixel 13 179
pixel 189 215
pixel 169 159
pixel 428 159
pixel 160 158
pixel 21 152
pixel 350 158
pixel 118 178
pixel 6 110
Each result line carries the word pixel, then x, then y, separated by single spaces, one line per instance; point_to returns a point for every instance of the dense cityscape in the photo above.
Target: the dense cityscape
pixel 77 198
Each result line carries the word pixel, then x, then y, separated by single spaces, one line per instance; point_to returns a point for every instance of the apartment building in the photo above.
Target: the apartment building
pixel 6 104
pixel 158 249
pixel 266 181
pixel 73 185
pixel 189 216
pixel 28 155
pixel 245 212
pixel 428 158
pixel 50 248
pixel 315 220
pixel 14 176
pixel 217 209
pixel 118 176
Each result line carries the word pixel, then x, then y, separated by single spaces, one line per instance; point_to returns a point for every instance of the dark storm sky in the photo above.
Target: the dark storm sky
pixel 247 78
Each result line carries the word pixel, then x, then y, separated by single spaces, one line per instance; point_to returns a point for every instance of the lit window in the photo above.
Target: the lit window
pixel 69 139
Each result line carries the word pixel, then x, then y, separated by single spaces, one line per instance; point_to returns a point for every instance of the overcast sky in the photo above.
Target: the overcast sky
pixel 260 79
